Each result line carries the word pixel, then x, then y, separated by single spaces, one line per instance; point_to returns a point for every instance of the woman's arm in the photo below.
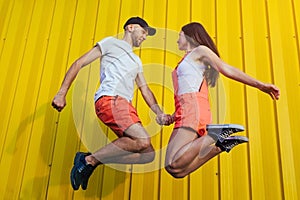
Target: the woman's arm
pixel 208 57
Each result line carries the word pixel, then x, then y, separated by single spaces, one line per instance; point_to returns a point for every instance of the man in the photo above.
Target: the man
pixel 120 68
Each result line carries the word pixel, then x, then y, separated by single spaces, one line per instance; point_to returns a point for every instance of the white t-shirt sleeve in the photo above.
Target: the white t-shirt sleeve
pixel 103 45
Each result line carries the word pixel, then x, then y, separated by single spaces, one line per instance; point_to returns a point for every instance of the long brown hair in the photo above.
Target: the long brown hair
pixel 197 35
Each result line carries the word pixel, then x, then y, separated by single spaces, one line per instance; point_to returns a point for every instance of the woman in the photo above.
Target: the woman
pixel 190 143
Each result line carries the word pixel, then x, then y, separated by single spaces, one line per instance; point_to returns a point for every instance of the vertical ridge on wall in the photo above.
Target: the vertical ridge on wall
pixel 57 61
pixel 5 18
pixel 284 57
pixel 230 107
pixel 296 19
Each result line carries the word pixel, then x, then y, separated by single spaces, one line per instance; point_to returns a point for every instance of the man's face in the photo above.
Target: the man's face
pixel 138 35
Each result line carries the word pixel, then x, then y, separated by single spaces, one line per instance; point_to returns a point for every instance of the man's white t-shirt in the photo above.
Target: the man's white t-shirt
pixel 119 67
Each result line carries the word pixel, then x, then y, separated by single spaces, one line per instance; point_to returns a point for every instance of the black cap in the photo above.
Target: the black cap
pixel 142 23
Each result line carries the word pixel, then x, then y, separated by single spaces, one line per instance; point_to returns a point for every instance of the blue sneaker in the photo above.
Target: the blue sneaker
pixel 226 144
pixel 81 171
pixel 217 131
pixel 86 175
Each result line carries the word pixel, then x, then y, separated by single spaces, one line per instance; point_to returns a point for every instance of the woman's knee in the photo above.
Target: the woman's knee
pixel 176 173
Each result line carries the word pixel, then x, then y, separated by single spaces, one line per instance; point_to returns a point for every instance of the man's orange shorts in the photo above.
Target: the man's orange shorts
pixel 193 112
pixel 117 113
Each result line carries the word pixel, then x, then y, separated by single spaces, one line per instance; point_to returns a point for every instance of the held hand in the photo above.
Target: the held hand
pixel 272 90
pixel 59 102
pixel 164 119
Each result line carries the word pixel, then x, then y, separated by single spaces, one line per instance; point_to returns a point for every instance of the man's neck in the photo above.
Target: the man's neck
pixel 127 39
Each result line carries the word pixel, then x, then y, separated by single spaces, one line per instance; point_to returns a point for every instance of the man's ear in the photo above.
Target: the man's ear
pixel 130 27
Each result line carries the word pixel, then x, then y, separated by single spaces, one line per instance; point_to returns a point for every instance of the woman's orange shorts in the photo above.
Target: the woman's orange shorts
pixel 193 112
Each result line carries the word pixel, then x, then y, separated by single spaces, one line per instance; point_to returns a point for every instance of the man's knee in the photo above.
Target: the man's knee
pixel 140 136
pixel 143 144
pixel 146 152
pixel 148 157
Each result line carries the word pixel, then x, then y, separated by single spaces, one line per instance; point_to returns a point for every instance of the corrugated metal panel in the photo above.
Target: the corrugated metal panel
pixel 41 39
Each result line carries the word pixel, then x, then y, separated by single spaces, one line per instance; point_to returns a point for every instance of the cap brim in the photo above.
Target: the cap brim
pixel 151 31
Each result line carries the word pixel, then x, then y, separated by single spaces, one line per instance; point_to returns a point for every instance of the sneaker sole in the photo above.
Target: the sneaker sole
pixel 74 186
pixel 237 127
pixel 76 160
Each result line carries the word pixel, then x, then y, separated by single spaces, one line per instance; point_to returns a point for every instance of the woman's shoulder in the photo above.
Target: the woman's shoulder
pixel 200 52
pixel 203 49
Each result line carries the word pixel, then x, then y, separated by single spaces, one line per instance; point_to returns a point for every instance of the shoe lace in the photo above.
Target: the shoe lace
pixel 82 168
pixel 231 145
pixel 226 133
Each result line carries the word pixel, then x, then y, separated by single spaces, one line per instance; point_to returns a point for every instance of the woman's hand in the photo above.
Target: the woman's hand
pixel 164 119
pixel 272 90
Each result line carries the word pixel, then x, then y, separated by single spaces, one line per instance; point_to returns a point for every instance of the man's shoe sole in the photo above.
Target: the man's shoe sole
pixel 74 186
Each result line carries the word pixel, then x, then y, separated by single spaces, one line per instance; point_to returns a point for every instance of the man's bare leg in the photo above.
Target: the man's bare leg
pixel 133 148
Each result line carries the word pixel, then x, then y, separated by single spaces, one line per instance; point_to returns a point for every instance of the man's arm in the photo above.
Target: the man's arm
pixel 59 101
pixel 147 94
pixel 161 117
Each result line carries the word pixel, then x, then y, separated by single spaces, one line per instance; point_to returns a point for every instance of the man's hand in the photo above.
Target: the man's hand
pixel 59 102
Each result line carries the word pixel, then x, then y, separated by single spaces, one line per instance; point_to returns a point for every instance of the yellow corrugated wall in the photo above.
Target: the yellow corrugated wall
pixel 41 38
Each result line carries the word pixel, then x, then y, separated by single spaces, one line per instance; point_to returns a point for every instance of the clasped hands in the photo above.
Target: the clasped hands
pixel 164 119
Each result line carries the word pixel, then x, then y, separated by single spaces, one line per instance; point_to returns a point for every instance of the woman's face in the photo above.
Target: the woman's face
pixel 182 42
